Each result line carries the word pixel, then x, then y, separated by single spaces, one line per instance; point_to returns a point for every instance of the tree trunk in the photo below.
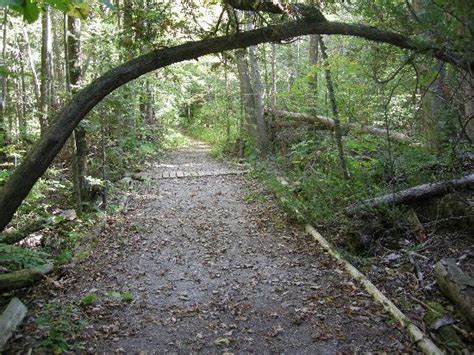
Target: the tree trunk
pixel 36 85
pixel 46 57
pixel 246 92
pixel 58 81
pixel 40 157
pixel 262 131
pixel 3 83
pixel 22 94
pixel 313 62
pixel 468 124
pixel 79 163
pixel 150 111
pixel 332 99
pixel 274 78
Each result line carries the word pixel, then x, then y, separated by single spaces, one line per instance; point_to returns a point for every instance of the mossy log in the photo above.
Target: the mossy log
pixel 23 278
pixel 18 234
pixel 457 286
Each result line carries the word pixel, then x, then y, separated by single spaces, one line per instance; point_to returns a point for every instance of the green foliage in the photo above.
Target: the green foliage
pixel 15 258
pixel 126 297
pixel 30 9
pixel 174 139
pixel 61 326
pixel 89 299
pixel 254 197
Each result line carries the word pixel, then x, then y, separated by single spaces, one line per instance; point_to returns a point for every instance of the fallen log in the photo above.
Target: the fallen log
pixel 421 340
pixel 23 278
pixel 10 319
pixel 16 235
pixel 322 122
pixel 457 286
pixel 413 194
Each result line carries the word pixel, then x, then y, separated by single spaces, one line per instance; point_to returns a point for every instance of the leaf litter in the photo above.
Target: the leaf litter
pixel 206 270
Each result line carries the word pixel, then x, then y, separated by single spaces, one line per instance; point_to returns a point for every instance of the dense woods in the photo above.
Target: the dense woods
pixel 356 114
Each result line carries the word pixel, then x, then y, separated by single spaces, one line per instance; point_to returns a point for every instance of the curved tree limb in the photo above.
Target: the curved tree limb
pixel 42 154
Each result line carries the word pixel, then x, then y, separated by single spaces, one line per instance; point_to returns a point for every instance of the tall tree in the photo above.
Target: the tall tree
pixel 263 140
pixel 46 67
pixel 74 76
pixel 246 92
pixel 3 81
pixel 335 112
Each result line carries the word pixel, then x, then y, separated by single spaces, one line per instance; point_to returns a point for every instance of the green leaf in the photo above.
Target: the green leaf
pixel 80 10
pixel 31 11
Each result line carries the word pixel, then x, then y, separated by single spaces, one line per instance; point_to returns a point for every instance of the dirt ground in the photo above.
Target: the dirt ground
pixel 210 265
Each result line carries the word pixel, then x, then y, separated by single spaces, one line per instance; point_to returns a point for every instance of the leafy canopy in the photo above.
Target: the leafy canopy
pixel 30 9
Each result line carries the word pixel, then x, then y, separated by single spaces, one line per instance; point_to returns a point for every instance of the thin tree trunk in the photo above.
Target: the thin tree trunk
pixel 36 84
pixel 332 99
pixel 4 83
pixel 58 81
pixel 23 123
pixel 313 62
pixel 150 112
pixel 46 58
pixel 81 186
pixel 468 124
pixel 226 99
pixel 274 78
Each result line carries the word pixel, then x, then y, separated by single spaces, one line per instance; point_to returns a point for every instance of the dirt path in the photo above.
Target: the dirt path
pixel 215 267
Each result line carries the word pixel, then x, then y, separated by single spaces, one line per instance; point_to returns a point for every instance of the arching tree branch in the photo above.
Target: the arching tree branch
pixel 40 157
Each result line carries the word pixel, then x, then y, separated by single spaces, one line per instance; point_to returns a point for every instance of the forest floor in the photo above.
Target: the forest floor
pixel 207 264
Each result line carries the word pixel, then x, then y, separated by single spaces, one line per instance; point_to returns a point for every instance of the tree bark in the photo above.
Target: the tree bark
pixel 46 57
pixel 313 61
pixel 263 141
pixel 332 99
pixel 246 92
pixel 457 286
pixel 468 87
pixel 313 58
pixel 36 85
pixel 74 70
pixel 3 83
pixel 37 161
pixel 413 194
